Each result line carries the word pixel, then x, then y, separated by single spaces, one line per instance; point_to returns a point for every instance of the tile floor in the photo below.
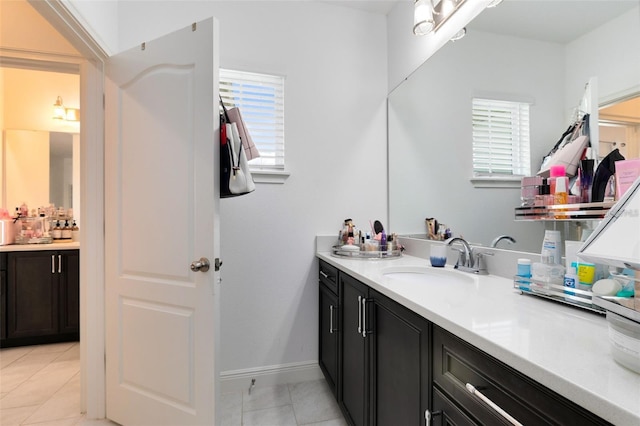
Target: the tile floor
pixel 40 385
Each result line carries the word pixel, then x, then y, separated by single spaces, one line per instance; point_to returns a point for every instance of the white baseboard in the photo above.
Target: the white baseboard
pixel 270 375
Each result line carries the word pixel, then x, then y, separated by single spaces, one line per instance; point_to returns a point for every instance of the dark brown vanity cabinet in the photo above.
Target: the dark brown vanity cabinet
pixel 396 368
pixel 42 297
pixel 457 364
pixel 385 358
pixel 328 321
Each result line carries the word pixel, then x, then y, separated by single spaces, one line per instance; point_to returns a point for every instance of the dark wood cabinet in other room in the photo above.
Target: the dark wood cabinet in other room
pixel 3 296
pixel 42 298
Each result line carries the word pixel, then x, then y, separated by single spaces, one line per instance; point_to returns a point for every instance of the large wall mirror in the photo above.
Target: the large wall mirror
pixel 523 51
pixel 41 167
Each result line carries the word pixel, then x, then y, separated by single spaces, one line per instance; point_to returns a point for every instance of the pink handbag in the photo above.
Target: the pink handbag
pixel 250 149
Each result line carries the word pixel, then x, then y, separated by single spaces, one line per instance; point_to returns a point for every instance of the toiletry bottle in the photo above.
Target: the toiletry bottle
pixel 383 241
pixel 552 243
pixel 75 232
pixel 546 273
pixel 56 233
pixel 524 271
pixel 66 231
pixel 571 280
pixel 586 180
pixel 555 172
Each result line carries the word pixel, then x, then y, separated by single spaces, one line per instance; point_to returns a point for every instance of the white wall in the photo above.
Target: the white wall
pixel 430 128
pixel 614 58
pixel 100 19
pixel 334 60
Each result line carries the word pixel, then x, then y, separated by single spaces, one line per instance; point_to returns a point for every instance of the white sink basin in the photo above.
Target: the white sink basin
pixel 427 275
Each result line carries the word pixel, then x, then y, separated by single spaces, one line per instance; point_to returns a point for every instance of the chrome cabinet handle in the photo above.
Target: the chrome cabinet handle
pixel 53 264
pixel 324 274
pixel 428 415
pixel 364 317
pixel 331 319
pixel 359 315
pixel 492 404
pixel 59 263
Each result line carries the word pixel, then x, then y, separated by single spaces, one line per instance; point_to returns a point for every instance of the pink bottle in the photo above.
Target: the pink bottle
pixel 555 172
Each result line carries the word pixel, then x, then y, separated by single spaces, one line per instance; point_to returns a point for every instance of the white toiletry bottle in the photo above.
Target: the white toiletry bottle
pixel 546 274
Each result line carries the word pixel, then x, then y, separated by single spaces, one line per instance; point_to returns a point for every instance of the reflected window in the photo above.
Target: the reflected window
pixel 501 143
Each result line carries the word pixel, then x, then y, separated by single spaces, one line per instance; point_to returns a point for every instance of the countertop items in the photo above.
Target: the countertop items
pixel 563 348
pixel 74 245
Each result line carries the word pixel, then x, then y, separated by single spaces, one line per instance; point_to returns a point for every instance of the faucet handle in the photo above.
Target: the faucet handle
pixel 462 258
pixel 481 265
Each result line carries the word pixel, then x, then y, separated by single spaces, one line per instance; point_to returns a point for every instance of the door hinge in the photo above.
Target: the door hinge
pixel 143 46
pixel 193 26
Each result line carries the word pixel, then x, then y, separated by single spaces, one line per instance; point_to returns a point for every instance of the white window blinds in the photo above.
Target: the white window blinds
pixel 260 98
pixel 500 138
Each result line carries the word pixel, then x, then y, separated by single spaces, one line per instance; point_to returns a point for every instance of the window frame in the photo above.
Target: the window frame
pixel 495 108
pixel 261 173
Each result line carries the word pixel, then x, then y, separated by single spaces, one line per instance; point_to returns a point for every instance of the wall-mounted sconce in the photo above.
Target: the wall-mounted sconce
pixel 60 112
pixel 429 15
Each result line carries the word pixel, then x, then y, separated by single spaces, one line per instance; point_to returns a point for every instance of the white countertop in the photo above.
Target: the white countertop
pixel 74 245
pixel 563 348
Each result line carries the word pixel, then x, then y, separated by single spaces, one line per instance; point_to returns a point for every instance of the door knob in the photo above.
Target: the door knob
pixel 201 265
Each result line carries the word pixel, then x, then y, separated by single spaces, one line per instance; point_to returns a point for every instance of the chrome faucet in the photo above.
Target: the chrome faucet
pixel 465 257
pixel 496 240
pixel 468 261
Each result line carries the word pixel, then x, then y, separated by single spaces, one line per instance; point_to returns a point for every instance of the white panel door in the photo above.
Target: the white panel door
pixel 161 201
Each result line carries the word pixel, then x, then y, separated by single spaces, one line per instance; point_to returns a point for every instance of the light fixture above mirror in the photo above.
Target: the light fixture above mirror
pixel 429 15
pixel 60 112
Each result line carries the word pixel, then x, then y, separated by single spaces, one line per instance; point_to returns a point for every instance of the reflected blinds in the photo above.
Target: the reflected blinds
pixel 500 138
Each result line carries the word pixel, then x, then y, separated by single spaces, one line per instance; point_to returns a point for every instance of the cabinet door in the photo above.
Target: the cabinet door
pixel 445 412
pixel 328 355
pixel 400 363
pixel 32 294
pixel 354 381
pixel 68 269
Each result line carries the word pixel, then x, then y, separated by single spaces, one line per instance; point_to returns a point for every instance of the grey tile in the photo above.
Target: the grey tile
pixel 336 422
pixel 277 416
pixel 231 409
pixel 313 402
pixel 267 397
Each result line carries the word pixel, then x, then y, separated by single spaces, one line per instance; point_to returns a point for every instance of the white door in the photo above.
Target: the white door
pixel 162 209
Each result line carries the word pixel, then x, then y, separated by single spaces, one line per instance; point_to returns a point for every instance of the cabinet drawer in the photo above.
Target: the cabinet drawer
pixel 457 363
pixel 329 276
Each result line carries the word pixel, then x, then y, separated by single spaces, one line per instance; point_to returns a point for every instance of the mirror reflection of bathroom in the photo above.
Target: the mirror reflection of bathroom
pixel 41 164
pixel 620 127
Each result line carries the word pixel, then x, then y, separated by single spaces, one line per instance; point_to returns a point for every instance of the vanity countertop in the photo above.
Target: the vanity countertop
pixel 74 245
pixel 564 348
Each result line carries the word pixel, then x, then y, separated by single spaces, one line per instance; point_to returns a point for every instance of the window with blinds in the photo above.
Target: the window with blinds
pixel 260 98
pixel 500 138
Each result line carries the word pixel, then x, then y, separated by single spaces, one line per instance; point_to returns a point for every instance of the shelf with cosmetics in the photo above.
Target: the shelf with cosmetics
pixel 573 212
